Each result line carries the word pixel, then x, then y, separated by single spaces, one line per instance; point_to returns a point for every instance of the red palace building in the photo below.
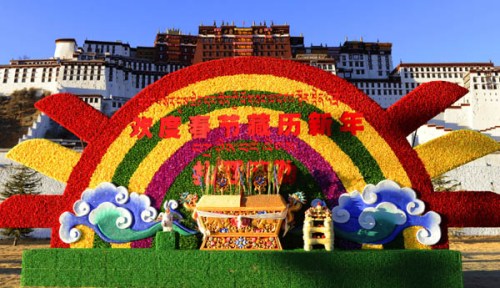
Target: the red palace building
pixel 229 40
pixel 174 47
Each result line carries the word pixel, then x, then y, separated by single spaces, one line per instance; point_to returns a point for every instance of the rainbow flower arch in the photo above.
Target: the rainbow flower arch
pixel 350 162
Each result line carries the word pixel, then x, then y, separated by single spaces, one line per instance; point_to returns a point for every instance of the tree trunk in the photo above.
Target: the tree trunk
pixel 15 241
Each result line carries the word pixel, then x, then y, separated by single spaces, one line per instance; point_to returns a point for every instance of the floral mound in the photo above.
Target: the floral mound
pixel 364 145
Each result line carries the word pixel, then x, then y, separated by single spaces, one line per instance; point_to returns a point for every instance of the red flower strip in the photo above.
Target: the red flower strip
pixel 29 211
pixel 77 116
pixel 423 103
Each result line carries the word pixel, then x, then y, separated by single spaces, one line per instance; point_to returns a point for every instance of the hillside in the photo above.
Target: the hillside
pixel 17 114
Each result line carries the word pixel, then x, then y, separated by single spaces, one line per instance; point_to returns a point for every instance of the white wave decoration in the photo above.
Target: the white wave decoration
pixel 369 194
pixel 416 207
pixel 340 215
pixel 68 235
pixel 122 195
pixel 81 208
pixel 149 214
pixel 367 220
pixel 172 204
pixel 123 222
pixel 430 236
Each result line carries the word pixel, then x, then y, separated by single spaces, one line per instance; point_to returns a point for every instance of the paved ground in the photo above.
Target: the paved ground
pixel 480 260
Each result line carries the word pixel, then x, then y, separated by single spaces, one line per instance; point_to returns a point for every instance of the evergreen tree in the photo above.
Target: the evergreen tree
pixel 23 182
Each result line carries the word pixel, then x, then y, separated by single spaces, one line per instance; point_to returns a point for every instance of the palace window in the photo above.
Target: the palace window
pixel 5 75
pixel 85 72
pixel 25 72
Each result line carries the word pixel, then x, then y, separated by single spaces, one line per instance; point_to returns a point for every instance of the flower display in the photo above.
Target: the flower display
pixel 340 162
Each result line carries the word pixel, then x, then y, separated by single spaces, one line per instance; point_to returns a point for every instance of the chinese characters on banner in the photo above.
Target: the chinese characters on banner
pixel 258 125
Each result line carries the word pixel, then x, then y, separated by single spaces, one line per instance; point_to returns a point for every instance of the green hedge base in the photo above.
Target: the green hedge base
pixel 168 267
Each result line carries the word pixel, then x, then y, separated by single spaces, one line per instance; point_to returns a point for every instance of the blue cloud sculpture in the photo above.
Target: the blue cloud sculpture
pixel 381 212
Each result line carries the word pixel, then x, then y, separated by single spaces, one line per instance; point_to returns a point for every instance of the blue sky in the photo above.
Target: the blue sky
pixel 421 31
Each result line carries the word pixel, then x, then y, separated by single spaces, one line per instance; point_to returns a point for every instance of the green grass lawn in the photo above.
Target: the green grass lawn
pixel 288 268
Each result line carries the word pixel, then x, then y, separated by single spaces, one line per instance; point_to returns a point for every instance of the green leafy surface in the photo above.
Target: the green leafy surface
pixel 194 268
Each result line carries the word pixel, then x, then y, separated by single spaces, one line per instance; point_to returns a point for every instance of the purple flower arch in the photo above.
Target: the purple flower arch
pixel 321 171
